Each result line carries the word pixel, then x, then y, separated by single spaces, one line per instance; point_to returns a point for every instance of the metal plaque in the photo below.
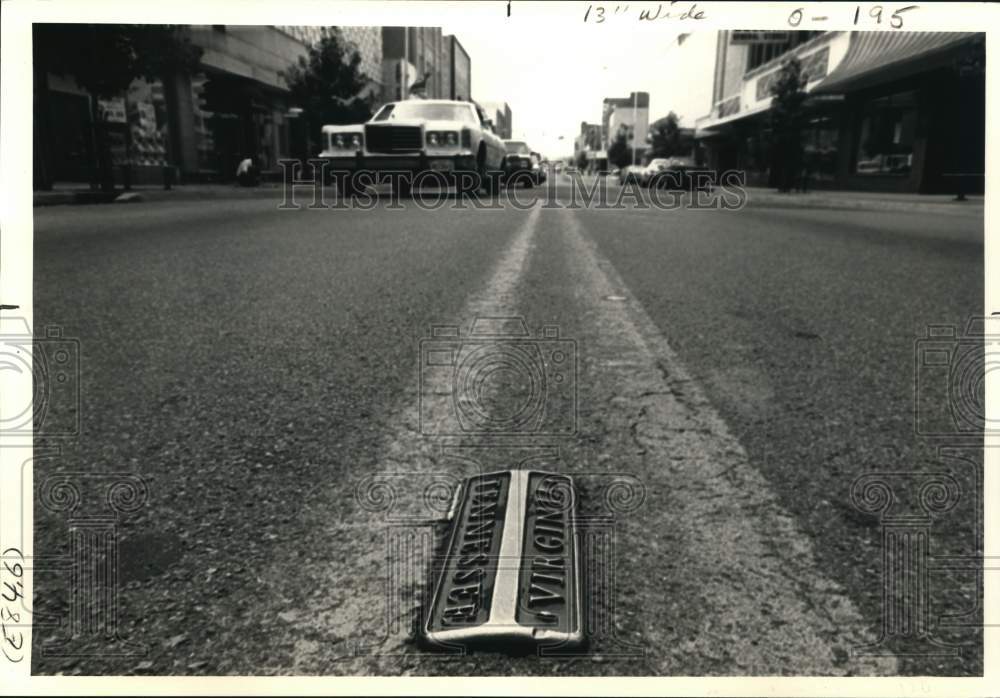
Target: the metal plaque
pixel 511 572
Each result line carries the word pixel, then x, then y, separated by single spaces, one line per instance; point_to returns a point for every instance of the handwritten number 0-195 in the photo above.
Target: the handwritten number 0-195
pixel 795 19
pixel 895 20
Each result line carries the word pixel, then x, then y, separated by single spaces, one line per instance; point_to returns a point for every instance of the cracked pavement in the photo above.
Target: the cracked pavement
pixel 259 370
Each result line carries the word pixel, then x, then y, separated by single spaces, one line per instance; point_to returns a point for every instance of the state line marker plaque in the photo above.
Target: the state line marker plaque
pixel 511 572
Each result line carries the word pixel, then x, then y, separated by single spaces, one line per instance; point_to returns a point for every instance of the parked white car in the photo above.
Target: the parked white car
pixel 419 135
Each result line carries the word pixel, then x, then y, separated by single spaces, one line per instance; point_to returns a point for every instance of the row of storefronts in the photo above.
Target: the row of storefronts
pixel 886 111
pixel 198 127
pixel 181 127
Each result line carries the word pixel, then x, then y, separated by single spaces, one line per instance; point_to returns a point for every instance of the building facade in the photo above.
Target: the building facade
pixel 199 126
pixel 367 41
pixel 413 55
pixel 589 144
pixel 460 70
pixel 503 120
pixel 885 111
pixel 628 116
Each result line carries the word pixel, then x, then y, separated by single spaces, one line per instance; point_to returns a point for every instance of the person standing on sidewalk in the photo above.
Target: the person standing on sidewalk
pixel 247 174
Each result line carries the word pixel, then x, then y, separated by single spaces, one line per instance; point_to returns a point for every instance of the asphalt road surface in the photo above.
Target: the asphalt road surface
pixel 259 369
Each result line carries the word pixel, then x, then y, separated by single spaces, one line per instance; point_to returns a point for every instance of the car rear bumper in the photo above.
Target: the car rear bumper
pixel 410 163
pixel 536 176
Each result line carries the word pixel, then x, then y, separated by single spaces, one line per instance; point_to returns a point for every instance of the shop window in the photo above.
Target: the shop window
pixel 886 136
pixel 147 118
pixel 202 119
pixel 819 141
pixel 761 53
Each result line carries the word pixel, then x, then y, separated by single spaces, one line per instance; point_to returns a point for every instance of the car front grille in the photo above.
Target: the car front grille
pixel 393 139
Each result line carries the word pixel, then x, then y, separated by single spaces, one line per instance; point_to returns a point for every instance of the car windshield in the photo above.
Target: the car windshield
pixel 518 147
pixel 433 111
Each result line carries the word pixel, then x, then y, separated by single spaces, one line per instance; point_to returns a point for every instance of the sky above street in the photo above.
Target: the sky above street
pixel 553 80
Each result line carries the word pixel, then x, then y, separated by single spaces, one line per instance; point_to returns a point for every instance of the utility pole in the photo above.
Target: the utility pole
pixel 405 68
pixel 635 122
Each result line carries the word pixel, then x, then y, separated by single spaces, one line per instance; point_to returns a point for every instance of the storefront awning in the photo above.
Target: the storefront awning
pixel 880 56
pixel 720 126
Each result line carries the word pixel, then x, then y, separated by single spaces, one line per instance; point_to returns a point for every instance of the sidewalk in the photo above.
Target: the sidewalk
pixel 866 201
pixel 764 197
pixel 756 197
pixel 181 192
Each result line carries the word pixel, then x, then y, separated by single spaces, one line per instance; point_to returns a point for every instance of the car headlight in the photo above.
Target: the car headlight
pixel 447 139
pixel 347 141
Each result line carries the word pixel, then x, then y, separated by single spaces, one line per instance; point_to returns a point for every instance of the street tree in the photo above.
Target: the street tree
pixel 104 59
pixel 327 83
pixel 787 117
pixel 619 154
pixel 665 137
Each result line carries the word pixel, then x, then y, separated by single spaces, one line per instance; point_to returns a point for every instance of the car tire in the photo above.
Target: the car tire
pixel 488 181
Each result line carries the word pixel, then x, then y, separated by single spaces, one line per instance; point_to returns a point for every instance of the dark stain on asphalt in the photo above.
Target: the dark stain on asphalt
pixel 148 555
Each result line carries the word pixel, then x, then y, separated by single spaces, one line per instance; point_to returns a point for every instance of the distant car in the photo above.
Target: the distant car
pixel 419 135
pixel 539 167
pixel 677 174
pixel 649 172
pixel 630 173
pixel 521 165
